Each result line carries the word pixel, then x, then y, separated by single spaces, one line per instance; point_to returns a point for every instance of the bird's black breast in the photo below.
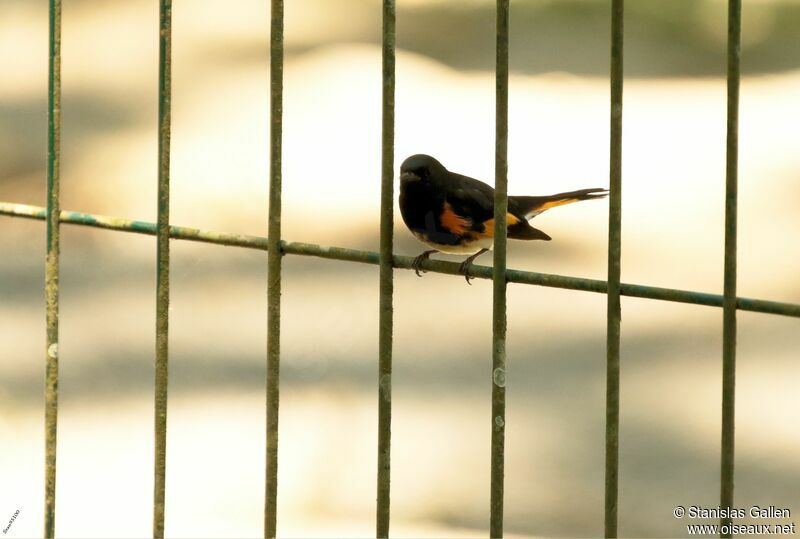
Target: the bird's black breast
pixel 421 206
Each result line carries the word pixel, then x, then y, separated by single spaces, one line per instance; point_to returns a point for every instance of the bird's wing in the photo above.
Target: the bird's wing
pixel 470 198
pixel 473 198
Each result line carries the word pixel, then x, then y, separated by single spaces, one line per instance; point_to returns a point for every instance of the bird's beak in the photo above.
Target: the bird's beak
pixel 409 177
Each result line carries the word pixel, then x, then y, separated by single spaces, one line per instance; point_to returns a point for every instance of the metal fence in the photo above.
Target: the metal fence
pixel 277 248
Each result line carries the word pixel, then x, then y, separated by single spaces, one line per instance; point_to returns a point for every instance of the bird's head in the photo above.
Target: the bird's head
pixel 420 167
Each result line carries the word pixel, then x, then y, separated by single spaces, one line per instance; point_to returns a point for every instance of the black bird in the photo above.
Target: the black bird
pixel 455 214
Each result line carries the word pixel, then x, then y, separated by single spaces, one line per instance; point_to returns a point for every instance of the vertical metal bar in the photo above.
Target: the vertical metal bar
pixel 729 294
pixel 386 316
pixel 499 275
pixel 52 265
pixel 162 263
pixel 274 255
pixel 614 265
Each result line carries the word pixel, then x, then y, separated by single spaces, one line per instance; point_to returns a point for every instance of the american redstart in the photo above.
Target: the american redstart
pixel 455 214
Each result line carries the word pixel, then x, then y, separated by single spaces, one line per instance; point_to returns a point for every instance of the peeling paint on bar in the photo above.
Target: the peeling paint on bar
pixel 499 377
pixel 386 387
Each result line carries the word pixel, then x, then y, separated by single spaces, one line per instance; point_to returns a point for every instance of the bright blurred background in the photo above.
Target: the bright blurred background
pixel 673 177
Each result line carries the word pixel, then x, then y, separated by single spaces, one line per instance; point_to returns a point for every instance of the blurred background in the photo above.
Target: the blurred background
pixel 673 185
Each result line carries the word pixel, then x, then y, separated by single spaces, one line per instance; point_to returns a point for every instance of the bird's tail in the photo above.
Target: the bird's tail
pixel 532 206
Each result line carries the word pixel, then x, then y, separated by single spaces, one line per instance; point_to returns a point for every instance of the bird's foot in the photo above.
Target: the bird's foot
pixel 465 265
pixel 417 263
pixel 464 268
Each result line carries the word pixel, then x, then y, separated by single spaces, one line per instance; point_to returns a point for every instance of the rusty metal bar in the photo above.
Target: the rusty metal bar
pixel 162 263
pixel 385 308
pixel 52 215
pixel 498 419
pixel 729 294
pixel 274 267
pixel 614 269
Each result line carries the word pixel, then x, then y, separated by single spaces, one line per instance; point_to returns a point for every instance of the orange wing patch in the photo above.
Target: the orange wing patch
pixel 454 222
pixel 488 226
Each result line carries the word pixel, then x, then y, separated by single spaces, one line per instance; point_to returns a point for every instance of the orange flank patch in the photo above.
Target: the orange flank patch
pixel 454 222
pixel 488 226
pixel 554 203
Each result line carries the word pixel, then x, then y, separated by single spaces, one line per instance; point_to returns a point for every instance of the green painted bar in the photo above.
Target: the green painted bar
pixel 274 256
pixel 498 378
pixel 730 301
pixel 52 214
pixel 402 262
pixel 385 308
pixel 162 263
pixel 614 269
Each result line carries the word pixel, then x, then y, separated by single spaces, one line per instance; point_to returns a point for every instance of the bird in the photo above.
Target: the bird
pixel 453 213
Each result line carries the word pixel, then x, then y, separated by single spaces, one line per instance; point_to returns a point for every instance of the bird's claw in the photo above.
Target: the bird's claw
pixel 464 268
pixel 465 265
pixel 416 265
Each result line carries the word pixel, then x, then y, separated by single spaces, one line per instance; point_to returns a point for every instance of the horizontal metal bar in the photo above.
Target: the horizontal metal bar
pixel 402 262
